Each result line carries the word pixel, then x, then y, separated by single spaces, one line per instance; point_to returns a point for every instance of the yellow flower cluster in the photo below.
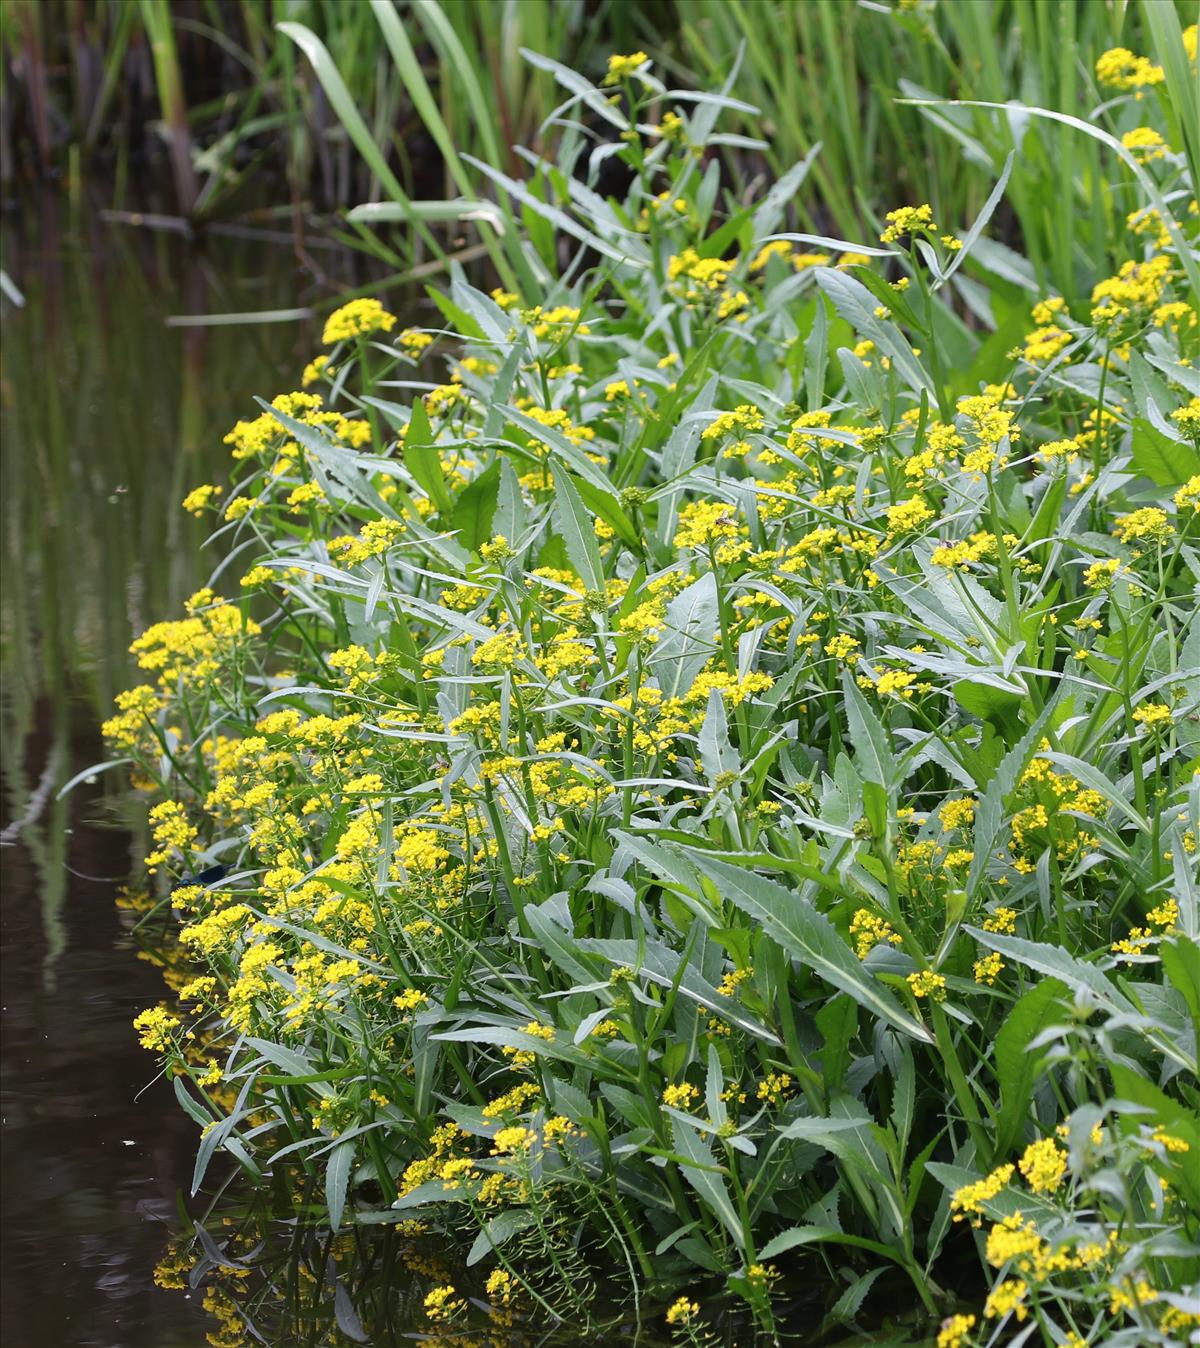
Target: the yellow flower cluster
pixel 359 318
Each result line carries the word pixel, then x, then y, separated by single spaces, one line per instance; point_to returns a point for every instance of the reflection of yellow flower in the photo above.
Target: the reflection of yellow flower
pixel 442 1303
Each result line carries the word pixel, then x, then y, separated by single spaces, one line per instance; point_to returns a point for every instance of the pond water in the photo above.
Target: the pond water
pixel 109 415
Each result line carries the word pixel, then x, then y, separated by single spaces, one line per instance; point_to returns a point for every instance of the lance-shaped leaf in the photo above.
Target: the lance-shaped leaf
pixel 807 935
pixel 578 531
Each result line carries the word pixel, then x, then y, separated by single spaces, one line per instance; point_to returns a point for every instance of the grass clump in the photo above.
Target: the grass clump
pixel 709 788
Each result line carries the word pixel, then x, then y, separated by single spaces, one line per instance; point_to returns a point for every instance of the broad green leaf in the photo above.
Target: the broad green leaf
pixel 422 460
pixel 701 1171
pixel 500 1228
pixel 476 507
pixel 337 1181
pixel 1163 460
pixel 687 644
pixel 1171 1115
pixel 578 532
pixel 807 935
pixel 869 738
pixel 1055 962
pixel 1016 1067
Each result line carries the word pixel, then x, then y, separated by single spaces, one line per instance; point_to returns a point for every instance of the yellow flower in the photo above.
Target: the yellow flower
pixel 514 1139
pixel 414 342
pixel 969 1200
pixel 908 220
pixel 955 1331
pixel 1152 714
pixel 988 969
pixel 307 493
pixel 410 999
pixel 1043 1164
pixel 1007 1298
pixel 680 1096
pixel 315 368
pixel 1165 915
pixel 843 647
pixel 682 1311
pixel 156 1028
pixel 1148 522
pixel 703 522
pixel 1100 574
pixel 910 514
pixel 774 1088
pixel 896 682
pixel 925 983
pixel 200 498
pixel 501 651
pixel 1188 496
pixel 359 318
pixel 502 1286
pixel 1188 418
pixel 869 931
pixel 958 813
pixel 621 67
pixel 1145 143
pixel 1119 68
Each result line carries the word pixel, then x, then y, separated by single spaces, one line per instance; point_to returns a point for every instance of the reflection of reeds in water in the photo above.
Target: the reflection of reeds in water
pixel 274 1274
pixel 109 417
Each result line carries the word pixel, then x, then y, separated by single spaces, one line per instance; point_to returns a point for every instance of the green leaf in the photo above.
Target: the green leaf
pixel 687 644
pixel 422 460
pixel 1055 962
pixel 1017 1069
pixel 337 1181
pixel 1161 459
pixel 702 1173
pixel 578 533
pixel 872 750
pixel 476 507
pixel 343 104
pixel 856 305
pixel 502 1227
pixel 610 511
pixel 1181 963
pixel 1170 1115
pixel 989 206
pixel 808 936
pixel 837 1021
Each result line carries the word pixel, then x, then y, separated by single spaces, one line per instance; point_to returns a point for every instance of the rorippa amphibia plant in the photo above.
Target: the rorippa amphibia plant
pixel 709 774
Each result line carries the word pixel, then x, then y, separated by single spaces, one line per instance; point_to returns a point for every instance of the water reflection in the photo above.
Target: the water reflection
pixel 108 417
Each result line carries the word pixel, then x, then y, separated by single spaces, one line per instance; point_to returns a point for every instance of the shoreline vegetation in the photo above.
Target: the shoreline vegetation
pixel 689 766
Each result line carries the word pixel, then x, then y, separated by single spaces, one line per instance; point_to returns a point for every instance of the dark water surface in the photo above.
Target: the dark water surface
pixel 109 416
